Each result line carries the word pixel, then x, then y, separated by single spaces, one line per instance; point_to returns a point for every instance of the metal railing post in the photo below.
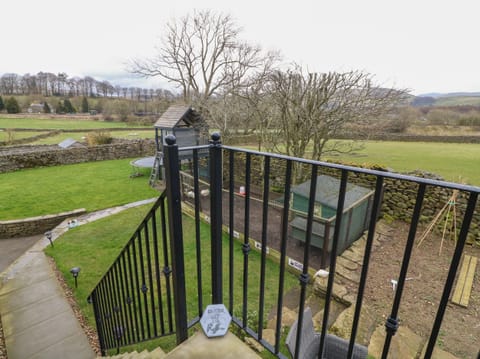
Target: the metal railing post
pixel 216 216
pixel 174 204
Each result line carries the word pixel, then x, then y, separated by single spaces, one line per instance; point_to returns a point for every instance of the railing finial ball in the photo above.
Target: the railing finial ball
pixel 170 140
pixel 215 136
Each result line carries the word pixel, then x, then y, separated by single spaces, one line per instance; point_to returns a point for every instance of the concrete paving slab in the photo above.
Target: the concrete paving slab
pixel 73 347
pixel 32 268
pixel 26 317
pixel 43 335
pixel 13 248
pixel 26 296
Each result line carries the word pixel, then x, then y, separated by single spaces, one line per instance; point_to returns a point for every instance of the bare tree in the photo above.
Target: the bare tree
pixel 203 56
pixel 312 108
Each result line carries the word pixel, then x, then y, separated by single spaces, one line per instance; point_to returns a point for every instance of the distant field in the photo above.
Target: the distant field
pixel 458 101
pixel 60 124
pixel 453 161
pixel 4 135
pixel 79 136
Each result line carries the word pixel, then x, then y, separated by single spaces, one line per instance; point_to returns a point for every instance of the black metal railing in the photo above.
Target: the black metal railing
pixel 227 210
pixel 133 301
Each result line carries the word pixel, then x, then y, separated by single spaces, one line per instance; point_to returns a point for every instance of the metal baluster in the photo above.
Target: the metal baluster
pixel 176 236
pixel 246 244
pixel 216 186
pixel 304 277
pixel 127 298
pixel 462 238
pixel 283 250
pixel 366 261
pixel 138 289
pixel 392 322
pixel 157 272
pixel 333 259
pixel 166 269
pixel 266 190
pixel 198 243
pixel 231 227
pixel 121 314
pixel 150 277
pixel 132 287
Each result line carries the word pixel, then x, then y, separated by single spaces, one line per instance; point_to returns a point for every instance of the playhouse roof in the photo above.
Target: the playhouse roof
pixel 328 189
pixel 178 116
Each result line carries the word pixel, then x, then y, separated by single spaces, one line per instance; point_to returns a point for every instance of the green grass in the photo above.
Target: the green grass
pixel 457 162
pixel 60 124
pixel 80 136
pixel 48 190
pixel 458 101
pixel 95 246
pixel 4 135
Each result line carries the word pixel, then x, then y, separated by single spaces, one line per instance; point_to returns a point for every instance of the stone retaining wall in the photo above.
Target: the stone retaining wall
pixel 399 197
pixel 35 225
pixel 16 158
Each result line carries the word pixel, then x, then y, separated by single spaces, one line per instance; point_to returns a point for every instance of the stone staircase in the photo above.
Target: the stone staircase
pixel 158 353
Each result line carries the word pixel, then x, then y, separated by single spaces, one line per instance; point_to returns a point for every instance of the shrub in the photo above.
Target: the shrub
pixel 99 138
pixel 12 105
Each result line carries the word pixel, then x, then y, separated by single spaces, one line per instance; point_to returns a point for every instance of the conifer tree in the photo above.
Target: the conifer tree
pixel 46 108
pixel 12 105
pixel 68 107
pixel 85 108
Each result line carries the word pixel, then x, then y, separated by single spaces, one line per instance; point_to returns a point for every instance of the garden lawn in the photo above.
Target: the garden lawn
pixel 60 124
pixel 91 185
pixel 95 246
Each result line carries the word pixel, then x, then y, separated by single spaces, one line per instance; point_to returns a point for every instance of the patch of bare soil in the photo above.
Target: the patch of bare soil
pixel 426 276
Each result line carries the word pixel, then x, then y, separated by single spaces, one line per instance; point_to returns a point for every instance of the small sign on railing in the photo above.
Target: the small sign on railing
pixel 215 320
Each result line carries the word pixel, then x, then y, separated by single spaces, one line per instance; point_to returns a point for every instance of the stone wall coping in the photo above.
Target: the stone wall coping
pixel 45 217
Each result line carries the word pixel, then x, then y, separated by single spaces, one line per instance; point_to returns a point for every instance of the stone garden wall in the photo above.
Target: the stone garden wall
pixel 35 225
pixel 399 197
pixel 20 157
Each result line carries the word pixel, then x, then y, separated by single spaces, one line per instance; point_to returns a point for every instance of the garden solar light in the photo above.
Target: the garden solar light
pixel 48 234
pixel 75 271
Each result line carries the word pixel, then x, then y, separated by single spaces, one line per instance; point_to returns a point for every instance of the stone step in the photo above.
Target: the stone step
pixel 158 353
pixel 405 345
pixel 342 326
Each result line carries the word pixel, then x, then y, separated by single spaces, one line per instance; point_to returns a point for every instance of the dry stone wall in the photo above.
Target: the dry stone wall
pixel 35 225
pixel 399 196
pixel 21 157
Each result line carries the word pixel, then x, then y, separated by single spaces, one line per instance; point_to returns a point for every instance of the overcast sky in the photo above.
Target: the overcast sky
pixel 423 45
